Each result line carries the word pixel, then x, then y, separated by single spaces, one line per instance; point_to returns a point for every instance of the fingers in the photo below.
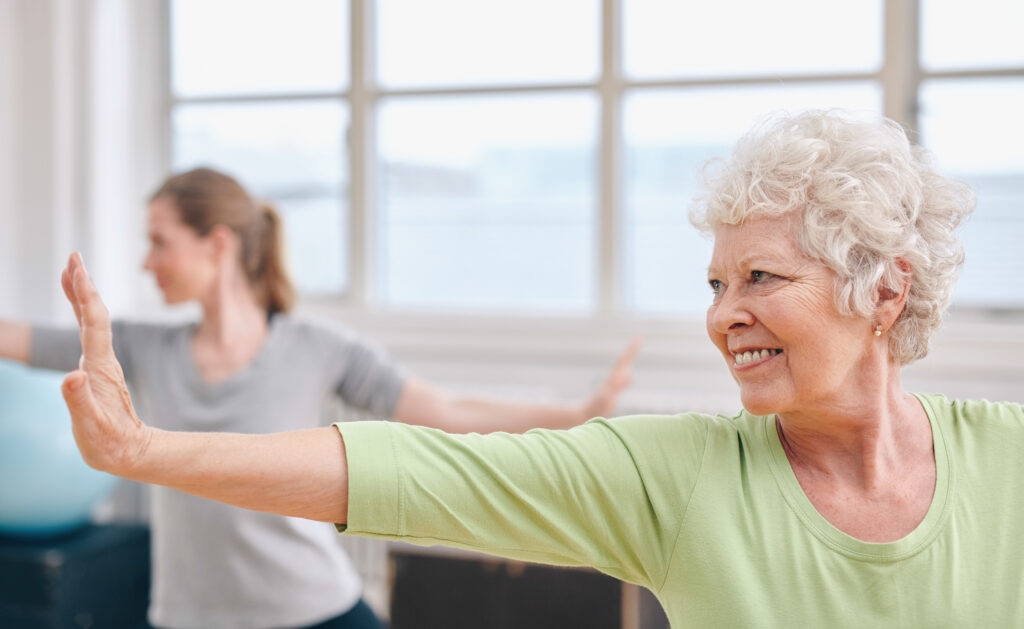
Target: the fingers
pixel 93 317
pixel 69 290
pixel 626 359
pixel 619 377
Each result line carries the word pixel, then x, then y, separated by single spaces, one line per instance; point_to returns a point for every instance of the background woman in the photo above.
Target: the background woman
pixel 248 366
pixel 835 498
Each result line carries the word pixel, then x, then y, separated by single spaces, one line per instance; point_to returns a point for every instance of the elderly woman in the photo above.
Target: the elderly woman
pixel 835 498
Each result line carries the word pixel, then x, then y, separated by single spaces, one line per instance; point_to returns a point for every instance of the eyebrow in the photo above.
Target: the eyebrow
pixel 755 261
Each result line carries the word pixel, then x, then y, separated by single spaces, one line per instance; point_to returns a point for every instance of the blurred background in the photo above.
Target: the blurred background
pixel 508 178
pixel 495 190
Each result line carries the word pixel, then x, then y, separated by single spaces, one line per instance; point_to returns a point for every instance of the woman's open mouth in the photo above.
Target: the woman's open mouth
pixel 754 355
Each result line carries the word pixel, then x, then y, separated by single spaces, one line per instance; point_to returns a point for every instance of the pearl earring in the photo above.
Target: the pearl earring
pixel 878 330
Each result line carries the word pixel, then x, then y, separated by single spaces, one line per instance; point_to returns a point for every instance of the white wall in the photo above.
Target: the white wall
pixel 27 156
pixel 8 216
pixel 80 117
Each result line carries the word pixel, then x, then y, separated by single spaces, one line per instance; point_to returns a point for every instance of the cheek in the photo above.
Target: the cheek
pixel 821 362
pixel 717 339
pixel 165 262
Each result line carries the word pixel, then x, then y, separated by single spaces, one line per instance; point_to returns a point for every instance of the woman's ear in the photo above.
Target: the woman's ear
pixel 224 240
pixel 890 301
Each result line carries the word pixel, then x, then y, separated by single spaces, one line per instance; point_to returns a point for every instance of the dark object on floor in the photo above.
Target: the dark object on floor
pixel 92 578
pixel 432 591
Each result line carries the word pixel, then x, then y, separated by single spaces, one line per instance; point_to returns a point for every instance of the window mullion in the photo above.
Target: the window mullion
pixel 609 232
pixel 361 153
pixel 901 69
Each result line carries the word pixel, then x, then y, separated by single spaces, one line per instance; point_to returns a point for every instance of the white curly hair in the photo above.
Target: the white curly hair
pixel 873 209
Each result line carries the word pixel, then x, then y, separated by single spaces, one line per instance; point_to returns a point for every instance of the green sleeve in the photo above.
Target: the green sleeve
pixel 609 494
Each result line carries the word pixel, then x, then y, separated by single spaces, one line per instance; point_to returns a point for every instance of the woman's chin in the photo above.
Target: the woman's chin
pixel 759 404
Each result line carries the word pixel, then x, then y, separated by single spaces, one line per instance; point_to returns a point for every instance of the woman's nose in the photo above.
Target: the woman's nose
pixel 729 312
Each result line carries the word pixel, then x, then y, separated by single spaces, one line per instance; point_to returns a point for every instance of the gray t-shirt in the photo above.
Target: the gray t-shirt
pixel 216 565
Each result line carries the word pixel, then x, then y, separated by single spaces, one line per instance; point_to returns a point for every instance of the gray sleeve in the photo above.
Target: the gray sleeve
pixel 59 348
pixel 368 379
pixel 55 348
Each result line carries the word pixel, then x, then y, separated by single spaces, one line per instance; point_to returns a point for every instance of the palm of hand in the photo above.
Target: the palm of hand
pixel 605 400
pixel 106 429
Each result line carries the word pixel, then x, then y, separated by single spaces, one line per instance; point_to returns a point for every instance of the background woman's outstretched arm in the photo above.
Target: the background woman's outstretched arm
pixel 15 341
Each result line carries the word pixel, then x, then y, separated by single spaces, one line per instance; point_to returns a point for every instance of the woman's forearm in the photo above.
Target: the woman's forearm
pixel 483 415
pixel 301 473
pixel 424 405
pixel 15 341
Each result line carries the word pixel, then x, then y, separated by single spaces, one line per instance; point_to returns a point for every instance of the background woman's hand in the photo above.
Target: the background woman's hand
pixel 605 400
pixel 107 431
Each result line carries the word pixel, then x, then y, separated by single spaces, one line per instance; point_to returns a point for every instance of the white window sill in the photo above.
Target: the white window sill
pixel 974 355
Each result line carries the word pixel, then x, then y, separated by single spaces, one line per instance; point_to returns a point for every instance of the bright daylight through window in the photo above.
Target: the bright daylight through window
pixel 525 156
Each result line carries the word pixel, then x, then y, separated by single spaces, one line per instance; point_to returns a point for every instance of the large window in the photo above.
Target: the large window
pixel 487 201
pixel 971 99
pixel 258 92
pixel 529 156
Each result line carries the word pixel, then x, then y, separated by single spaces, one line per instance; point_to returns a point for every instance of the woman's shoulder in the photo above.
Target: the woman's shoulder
pixel 317 336
pixel 981 427
pixel 681 446
pixel 740 421
pixel 311 327
pixel 150 331
pixel 690 427
pixel 978 410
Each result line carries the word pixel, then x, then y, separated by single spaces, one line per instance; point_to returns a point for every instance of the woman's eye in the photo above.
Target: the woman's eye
pixel 716 286
pixel 758 276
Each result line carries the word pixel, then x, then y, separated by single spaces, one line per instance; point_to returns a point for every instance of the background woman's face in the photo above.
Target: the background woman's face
pixel 181 261
pixel 774 302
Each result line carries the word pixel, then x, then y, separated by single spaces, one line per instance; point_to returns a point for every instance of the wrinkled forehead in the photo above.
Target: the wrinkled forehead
pixel 772 239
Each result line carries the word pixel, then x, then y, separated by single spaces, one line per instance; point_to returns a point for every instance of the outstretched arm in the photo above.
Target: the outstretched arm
pixel 301 473
pixel 425 405
pixel 15 341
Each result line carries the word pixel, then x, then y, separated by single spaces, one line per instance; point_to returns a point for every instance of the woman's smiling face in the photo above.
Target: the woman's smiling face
pixel 775 321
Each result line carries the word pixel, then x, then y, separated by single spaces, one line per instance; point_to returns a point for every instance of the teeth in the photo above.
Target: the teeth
pixel 750 356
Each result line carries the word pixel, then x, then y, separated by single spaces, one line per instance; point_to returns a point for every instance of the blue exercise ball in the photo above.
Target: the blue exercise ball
pixel 46 487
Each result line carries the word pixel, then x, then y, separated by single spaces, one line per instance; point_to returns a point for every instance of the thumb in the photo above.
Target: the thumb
pixel 78 395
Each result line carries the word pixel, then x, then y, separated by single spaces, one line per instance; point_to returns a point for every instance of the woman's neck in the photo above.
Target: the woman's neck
pixel 861 440
pixel 872 473
pixel 232 332
pixel 231 313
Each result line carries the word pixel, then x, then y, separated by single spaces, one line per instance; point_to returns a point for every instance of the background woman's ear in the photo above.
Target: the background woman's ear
pixel 225 241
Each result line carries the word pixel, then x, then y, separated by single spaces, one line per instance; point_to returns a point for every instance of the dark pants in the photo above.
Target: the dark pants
pixel 359 617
